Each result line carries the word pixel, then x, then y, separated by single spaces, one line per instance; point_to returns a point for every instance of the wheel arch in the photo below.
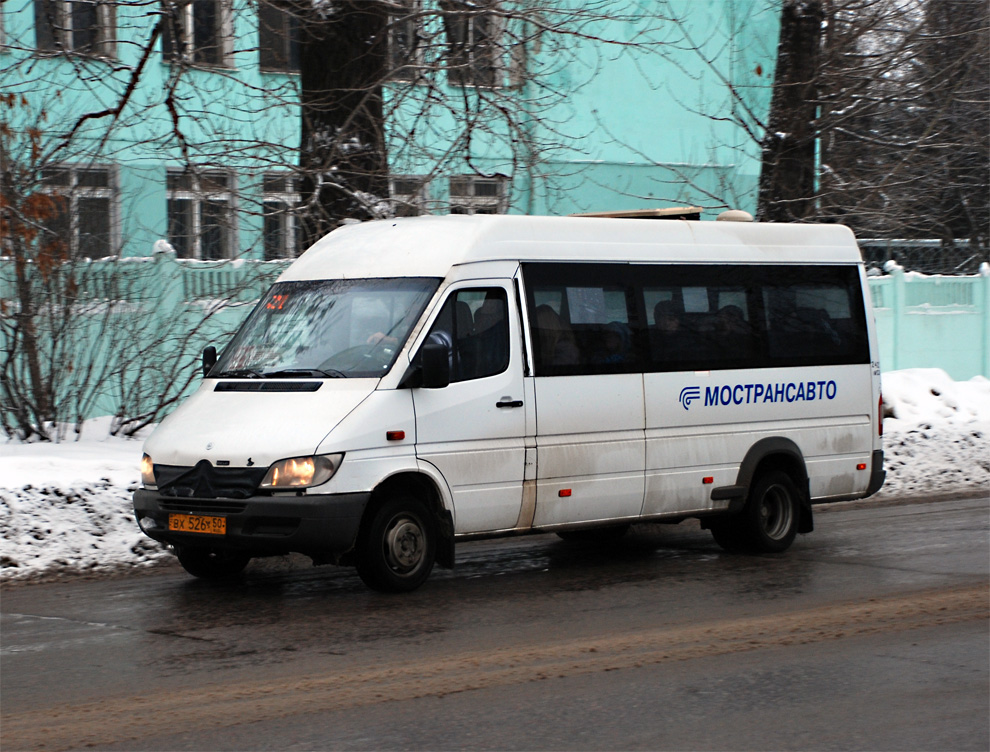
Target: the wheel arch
pixel 426 489
pixel 779 453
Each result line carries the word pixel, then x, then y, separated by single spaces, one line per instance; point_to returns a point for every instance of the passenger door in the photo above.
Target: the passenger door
pixel 589 393
pixel 473 429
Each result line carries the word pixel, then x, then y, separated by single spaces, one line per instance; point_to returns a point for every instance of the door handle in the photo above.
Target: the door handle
pixel 504 402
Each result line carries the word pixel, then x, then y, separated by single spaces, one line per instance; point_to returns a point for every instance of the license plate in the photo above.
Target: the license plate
pixel 197 523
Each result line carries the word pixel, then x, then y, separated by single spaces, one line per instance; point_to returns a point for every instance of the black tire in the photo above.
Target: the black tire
pixel 772 512
pixel 769 521
pixel 594 534
pixel 726 533
pixel 211 564
pixel 398 547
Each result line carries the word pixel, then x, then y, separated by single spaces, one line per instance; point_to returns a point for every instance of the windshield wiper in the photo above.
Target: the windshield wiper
pixel 240 373
pixel 304 372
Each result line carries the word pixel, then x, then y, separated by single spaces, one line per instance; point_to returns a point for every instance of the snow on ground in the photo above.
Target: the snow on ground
pixel 65 509
pixel 936 433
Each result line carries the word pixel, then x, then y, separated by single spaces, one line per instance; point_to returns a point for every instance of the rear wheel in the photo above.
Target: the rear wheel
pixel 398 548
pixel 772 512
pixel 211 564
pixel 726 533
pixel 769 521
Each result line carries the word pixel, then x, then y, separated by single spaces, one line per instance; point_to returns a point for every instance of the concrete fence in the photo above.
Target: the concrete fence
pixel 933 321
pixel 180 306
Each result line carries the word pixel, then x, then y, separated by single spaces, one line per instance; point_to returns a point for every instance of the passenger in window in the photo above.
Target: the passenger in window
pixel 616 344
pixel 666 318
pixel 670 340
pixel 556 342
pixel 818 322
pixel 735 335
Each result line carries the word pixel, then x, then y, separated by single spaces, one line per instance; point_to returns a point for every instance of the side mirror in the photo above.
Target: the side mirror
pixel 435 365
pixel 209 359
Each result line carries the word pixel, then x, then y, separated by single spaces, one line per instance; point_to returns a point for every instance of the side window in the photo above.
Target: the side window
pixel 701 323
pixel 581 319
pixel 815 322
pixel 474 324
pixel 596 318
pixel 719 317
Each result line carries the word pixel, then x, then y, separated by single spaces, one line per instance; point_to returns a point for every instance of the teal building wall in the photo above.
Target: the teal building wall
pixel 632 128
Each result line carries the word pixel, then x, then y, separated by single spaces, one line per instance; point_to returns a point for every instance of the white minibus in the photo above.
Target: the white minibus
pixel 410 383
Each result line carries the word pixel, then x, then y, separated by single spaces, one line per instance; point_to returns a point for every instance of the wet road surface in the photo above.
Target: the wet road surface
pixel 870 633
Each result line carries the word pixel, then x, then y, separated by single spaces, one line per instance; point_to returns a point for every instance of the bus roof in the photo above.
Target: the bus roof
pixel 429 246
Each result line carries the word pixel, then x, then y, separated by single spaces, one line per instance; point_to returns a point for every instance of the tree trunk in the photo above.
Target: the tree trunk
pixel 343 64
pixel 787 176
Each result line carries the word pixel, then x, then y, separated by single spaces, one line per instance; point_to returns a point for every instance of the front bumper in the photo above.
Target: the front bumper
pixel 320 526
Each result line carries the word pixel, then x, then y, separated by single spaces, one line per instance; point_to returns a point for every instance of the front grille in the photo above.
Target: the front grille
pixel 204 481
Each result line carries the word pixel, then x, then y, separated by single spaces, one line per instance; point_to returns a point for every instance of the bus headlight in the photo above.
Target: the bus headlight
pixel 302 472
pixel 148 472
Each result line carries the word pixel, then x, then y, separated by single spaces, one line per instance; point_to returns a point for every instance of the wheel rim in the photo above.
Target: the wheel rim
pixel 405 544
pixel 776 512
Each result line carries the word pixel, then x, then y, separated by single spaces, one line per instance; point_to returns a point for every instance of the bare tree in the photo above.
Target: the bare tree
pixel 890 97
pixel 84 330
pixel 391 96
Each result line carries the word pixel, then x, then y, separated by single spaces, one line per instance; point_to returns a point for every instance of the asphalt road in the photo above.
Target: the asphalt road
pixel 871 633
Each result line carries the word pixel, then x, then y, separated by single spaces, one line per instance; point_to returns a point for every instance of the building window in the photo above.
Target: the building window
pixel 81 221
pixel 201 214
pixel 282 230
pixel 410 196
pixel 473 195
pixel 278 34
pixel 197 31
pixel 474 34
pixel 405 41
pixel 85 27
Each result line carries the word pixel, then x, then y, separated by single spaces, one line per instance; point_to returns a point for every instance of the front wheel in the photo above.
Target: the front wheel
pixel 211 564
pixel 397 551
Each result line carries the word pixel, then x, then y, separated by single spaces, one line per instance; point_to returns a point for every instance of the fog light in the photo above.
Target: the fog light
pixel 146 524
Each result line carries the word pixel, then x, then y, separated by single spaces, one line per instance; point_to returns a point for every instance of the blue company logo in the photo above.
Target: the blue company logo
pixel 750 394
pixel 689 394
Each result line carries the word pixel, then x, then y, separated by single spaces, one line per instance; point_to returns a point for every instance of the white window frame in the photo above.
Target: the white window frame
pixel 291 199
pixel 465 198
pixel 62 32
pixel 406 203
pixel 185 50
pixel 284 35
pixel 198 196
pixel 73 191
pixel 471 73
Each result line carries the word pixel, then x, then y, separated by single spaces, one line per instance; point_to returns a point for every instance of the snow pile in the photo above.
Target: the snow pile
pixel 936 433
pixel 66 508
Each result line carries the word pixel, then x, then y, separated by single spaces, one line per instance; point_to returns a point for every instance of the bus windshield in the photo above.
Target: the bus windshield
pixel 351 328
